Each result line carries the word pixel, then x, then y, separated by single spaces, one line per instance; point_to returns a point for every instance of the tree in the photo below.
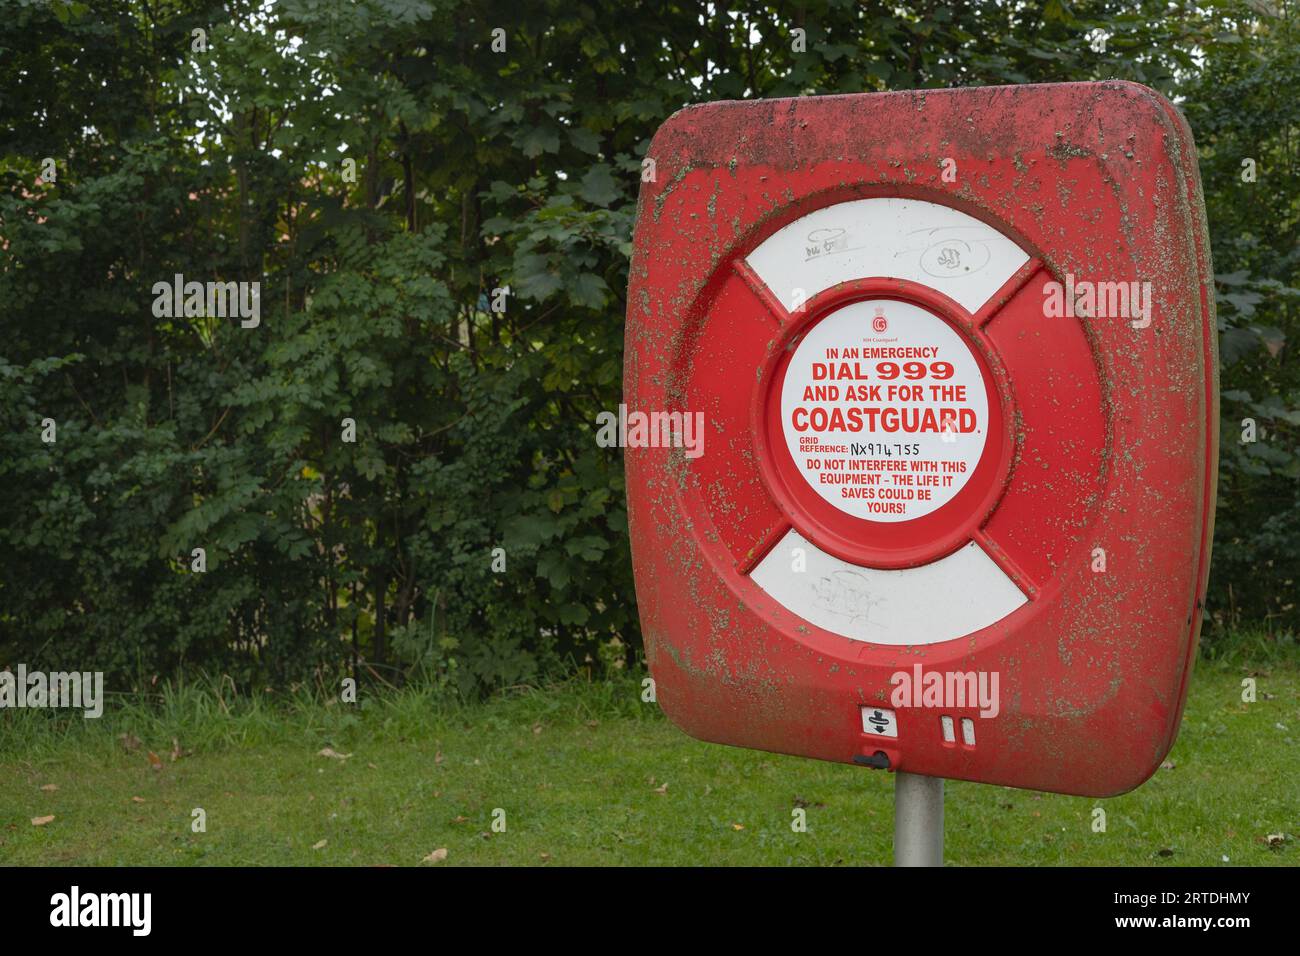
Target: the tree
pixel 436 202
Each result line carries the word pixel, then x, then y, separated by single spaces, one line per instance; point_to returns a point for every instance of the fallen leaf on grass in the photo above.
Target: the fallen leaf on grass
pixel 319 844
pixel 41 821
pixel 663 789
pixel 50 787
pixel 461 820
pixel 137 800
pixel 1168 765
pixel 155 761
pixel 737 826
pixel 1275 839
pixel 332 753
pixel 438 758
pixel 544 856
pixel 537 728
pixel 176 750
pixel 437 856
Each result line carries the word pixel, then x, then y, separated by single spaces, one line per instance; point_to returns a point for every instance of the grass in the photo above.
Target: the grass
pixel 579 771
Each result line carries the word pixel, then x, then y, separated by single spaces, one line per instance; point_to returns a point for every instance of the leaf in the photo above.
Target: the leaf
pixel 1243 302
pixel 501 191
pixel 138 800
pixel 437 856
pixel 535 140
pixel 588 547
pixel 41 821
pixel 50 787
pixel 587 290
pixel 585 140
pixel 1236 344
pixel 598 186
pixel 155 761
pixel 534 277
pixel 574 615
pixel 332 754
pixel 319 844
pixel 553 566
pixel 528 531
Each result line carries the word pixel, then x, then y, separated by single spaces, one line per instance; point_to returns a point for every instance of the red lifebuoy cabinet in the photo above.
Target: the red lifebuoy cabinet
pixel 954 357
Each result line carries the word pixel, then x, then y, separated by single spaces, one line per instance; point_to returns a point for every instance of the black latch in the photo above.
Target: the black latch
pixel 878 760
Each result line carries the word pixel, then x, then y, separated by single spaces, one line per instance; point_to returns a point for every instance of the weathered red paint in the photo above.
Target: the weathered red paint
pixel 1110 437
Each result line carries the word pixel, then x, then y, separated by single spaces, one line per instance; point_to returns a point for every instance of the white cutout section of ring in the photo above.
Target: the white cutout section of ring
pixel 965 259
pixel 934 602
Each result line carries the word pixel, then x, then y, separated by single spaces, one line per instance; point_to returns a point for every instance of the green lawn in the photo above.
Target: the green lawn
pixel 580 772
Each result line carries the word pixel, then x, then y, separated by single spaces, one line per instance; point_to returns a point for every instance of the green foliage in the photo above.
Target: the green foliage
pixel 1243 108
pixel 385 174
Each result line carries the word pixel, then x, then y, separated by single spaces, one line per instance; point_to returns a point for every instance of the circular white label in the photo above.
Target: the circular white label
pixel 884 410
